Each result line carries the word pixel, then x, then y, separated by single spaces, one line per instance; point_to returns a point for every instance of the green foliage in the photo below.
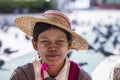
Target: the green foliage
pixel 7 6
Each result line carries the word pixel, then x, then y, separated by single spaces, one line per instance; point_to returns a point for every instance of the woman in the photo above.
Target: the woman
pixel 52 38
pixel 115 73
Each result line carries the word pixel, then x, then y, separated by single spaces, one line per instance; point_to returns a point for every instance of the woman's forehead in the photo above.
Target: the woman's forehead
pixel 51 32
pixel 54 31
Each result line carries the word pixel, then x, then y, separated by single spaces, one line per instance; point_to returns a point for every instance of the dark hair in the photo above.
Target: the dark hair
pixel 40 27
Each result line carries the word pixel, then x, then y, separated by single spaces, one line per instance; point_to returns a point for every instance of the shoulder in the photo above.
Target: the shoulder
pixel 25 72
pixel 84 75
pixel 26 67
pixel 116 71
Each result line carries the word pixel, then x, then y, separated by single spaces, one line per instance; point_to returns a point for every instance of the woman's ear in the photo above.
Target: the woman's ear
pixel 34 43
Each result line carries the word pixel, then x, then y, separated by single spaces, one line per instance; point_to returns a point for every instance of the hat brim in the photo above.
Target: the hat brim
pixel 26 24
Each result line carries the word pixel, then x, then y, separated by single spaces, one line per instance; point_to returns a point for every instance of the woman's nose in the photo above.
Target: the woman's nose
pixel 52 46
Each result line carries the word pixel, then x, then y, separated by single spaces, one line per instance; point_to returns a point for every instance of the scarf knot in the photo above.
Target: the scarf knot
pixel 44 67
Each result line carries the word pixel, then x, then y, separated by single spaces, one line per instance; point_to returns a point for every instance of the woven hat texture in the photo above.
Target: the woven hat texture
pixel 53 17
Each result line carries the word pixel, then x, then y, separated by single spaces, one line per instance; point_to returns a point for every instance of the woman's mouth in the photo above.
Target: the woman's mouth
pixel 53 56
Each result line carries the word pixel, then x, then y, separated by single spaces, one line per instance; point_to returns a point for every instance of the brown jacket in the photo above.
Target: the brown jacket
pixel 26 72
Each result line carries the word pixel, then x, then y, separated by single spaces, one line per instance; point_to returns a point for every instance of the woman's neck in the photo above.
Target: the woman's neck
pixel 53 71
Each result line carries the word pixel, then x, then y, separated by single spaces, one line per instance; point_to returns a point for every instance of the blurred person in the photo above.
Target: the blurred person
pixel 0 44
pixel 115 73
pixel 16 11
pixel 25 10
pixel 2 62
pixel 4 25
pixel 65 5
pixel 52 39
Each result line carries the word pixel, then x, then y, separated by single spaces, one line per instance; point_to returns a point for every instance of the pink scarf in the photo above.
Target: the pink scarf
pixel 43 68
pixel 73 73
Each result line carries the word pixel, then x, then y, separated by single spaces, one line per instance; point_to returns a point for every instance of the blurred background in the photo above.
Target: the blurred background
pixel 98 21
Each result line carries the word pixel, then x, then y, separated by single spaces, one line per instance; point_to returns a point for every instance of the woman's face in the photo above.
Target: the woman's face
pixel 52 46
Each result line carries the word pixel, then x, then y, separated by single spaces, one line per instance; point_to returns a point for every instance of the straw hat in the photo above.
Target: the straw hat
pixel 26 24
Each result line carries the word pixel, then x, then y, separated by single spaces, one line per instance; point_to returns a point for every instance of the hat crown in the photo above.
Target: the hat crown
pixel 57 17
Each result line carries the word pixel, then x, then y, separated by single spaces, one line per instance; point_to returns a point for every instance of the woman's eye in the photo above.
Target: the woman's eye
pixel 60 41
pixel 45 42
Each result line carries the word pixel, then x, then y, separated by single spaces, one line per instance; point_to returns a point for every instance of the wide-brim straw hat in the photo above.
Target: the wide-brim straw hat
pixel 53 17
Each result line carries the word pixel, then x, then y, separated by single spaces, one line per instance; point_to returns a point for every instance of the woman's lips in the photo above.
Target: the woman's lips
pixel 52 55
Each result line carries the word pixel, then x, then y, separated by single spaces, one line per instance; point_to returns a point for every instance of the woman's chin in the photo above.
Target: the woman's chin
pixel 53 59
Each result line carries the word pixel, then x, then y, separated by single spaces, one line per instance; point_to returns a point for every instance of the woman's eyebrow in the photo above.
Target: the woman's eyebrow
pixel 43 37
pixel 61 37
